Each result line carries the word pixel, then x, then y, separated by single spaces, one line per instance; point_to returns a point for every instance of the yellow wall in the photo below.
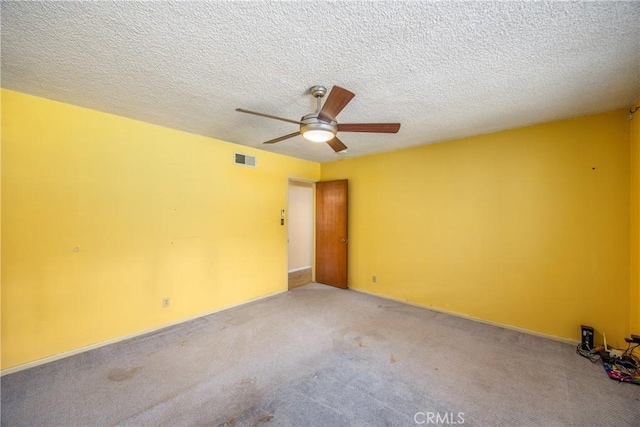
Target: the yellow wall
pixel 515 227
pixel 154 212
pixel 634 294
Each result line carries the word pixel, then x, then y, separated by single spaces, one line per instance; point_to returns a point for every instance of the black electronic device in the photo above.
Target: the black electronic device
pixel 587 337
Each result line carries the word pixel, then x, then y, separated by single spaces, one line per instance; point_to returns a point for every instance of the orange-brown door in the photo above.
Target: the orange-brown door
pixel 331 233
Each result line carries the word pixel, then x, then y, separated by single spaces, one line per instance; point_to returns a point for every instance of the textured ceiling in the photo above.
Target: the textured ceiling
pixel 443 69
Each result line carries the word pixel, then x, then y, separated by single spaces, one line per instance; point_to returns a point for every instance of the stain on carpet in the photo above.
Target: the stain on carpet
pixel 230 423
pixel 120 374
pixel 238 400
pixel 264 419
pixel 359 341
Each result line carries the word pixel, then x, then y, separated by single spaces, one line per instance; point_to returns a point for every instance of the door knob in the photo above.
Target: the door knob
pixel 343 240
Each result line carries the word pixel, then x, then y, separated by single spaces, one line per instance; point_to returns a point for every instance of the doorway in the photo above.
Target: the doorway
pixel 300 233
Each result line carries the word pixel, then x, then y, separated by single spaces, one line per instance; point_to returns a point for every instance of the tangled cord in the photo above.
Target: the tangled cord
pixel 588 353
pixel 627 364
pixel 629 357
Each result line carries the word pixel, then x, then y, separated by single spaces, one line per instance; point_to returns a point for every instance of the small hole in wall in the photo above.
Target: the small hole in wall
pixel 593 168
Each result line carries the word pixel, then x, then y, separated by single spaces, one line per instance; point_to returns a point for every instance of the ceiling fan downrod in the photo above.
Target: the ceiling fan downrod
pixel 318 92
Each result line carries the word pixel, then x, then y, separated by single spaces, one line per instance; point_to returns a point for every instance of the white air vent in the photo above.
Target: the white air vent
pixel 244 159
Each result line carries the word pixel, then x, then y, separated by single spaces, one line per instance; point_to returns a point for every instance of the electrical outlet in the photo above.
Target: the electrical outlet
pixel 165 302
pixel 374 279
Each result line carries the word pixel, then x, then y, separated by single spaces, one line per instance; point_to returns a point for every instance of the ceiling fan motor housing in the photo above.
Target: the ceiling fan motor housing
pixel 311 123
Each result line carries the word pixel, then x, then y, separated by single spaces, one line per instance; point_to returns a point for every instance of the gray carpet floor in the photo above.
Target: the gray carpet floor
pixel 320 356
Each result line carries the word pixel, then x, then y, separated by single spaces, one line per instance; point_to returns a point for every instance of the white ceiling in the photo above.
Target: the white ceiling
pixel 443 69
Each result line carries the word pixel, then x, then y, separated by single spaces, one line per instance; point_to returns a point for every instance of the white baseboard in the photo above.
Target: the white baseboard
pixel 298 269
pixel 79 350
pixel 475 319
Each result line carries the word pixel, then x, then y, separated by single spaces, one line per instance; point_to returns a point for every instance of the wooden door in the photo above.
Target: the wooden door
pixel 331 233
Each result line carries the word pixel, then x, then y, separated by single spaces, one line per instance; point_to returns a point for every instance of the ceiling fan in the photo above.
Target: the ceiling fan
pixel 321 125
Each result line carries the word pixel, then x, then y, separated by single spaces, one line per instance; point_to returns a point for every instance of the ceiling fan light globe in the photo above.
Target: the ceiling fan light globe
pixel 318 135
pixel 316 130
